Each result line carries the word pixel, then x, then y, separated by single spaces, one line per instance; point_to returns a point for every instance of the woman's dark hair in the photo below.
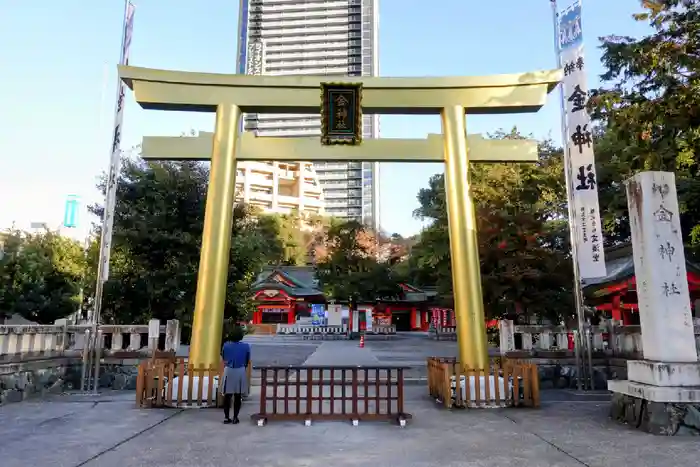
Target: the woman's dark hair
pixel 236 334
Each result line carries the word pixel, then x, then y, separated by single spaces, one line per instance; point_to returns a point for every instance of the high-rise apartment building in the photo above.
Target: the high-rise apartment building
pixel 335 38
pixel 280 187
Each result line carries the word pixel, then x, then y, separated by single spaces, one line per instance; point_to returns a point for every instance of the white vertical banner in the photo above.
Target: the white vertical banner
pixel 578 147
pixel 115 150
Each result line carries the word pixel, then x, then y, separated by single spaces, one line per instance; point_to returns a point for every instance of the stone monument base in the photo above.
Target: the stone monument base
pixel 657 418
pixel 664 374
pixel 659 398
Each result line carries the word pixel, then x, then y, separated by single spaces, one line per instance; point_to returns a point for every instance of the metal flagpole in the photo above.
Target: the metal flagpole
pixel 578 292
pixel 110 201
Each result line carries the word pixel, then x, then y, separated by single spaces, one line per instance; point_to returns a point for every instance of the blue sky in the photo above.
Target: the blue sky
pixel 59 82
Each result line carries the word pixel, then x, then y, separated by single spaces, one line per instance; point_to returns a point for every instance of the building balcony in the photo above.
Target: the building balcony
pixel 294 201
pixel 304 40
pixel 288 21
pixel 303 8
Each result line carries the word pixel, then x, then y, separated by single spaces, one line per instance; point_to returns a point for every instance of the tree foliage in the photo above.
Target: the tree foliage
pixel 157 240
pixel 296 240
pixel 41 276
pixel 348 269
pixel 522 239
pixel 648 109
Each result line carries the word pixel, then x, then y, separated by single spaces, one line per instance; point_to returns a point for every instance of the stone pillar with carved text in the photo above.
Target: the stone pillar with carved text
pixel 659 265
pixel 668 378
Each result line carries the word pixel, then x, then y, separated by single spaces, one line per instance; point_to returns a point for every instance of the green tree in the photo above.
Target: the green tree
pixel 41 276
pixel 523 246
pixel 285 232
pixel 649 111
pixel 157 240
pixel 349 269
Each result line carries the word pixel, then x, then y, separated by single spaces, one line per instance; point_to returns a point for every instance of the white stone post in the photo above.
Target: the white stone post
pixel 670 371
pixel 562 341
pixel 134 341
pixel 172 335
pixel 659 265
pixel 153 335
pixel 117 340
pixel 545 340
pixel 506 332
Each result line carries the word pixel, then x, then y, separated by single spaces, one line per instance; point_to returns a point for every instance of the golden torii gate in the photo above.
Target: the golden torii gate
pixel 231 95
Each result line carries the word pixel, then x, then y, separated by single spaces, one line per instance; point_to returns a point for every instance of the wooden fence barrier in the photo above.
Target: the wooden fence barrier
pixel 510 384
pixel 351 393
pixel 175 383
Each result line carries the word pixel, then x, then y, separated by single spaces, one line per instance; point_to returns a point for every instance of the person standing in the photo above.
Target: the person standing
pixel 236 357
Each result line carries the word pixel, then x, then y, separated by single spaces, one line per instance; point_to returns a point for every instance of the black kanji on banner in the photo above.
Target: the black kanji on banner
pixel 581 137
pixel 116 139
pixel 577 99
pixel 586 178
pixel 571 67
pixel 120 101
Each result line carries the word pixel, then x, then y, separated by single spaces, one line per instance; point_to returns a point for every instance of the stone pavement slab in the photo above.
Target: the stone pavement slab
pixel 68 432
pixel 595 440
pixel 273 352
pixel 341 353
pixel 435 437
pixel 110 432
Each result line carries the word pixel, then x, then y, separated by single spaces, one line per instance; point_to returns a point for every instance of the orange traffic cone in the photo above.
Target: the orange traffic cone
pixel 362 342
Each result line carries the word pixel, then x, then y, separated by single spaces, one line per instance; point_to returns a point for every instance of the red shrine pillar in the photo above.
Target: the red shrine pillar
pixel 616 311
pixel 413 320
pixel 291 314
pixel 257 316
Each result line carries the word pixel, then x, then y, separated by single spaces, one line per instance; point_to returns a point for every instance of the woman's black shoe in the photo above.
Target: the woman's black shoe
pixel 236 421
pixel 228 421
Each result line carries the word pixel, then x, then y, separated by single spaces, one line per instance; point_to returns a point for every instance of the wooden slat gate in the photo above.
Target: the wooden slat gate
pixel 351 393
pixel 510 384
pixel 175 383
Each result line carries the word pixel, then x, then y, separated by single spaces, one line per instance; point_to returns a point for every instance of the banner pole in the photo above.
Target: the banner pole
pixel 111 189
pixel 578 292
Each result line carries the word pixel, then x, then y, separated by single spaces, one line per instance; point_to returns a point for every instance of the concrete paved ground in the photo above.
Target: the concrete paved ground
pixel 341 353
pixel 404 349
pixel 109 432
pixel 570 429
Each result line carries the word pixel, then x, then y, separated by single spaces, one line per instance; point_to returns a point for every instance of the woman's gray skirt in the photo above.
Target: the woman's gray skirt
pixel 235 381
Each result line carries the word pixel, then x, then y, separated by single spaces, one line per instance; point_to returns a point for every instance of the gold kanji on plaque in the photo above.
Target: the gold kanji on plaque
pixel 341 113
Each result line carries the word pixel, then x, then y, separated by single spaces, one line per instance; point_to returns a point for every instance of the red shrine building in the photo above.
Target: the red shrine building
pixel 615 295
pixel 282 294
pixel 411 311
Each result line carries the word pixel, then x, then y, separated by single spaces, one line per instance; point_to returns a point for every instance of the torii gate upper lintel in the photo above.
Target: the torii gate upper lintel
pixel 231 95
